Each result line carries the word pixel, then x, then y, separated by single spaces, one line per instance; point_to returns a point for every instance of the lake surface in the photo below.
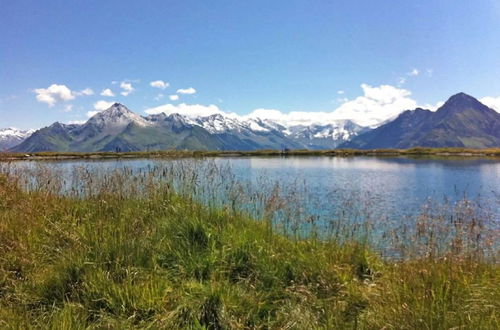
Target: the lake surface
pixel 392 189
pixel 400 185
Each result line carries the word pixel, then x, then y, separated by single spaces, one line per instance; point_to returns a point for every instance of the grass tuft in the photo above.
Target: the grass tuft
pixel 126 252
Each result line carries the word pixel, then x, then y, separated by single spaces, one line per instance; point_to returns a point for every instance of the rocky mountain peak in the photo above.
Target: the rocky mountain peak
pixel 117 115
pixel 462 101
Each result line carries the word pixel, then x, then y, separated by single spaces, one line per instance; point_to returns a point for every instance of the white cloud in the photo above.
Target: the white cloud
pixel 189 90
pixel 87 92
pixel 53 94
pixel 492 102
pixel 92 113
pixel 68 107
pixel 76 122
pixel 432 107
pixel 159 84
pixel 401 80
pixel 414 72
pixel 340 92
pixel 190 110
pixel 173 97
pixel 100 106
pixel 159 97
pixel 127 88
pixel 103 105
pixel 107 92
pixel 291 118
pixel 377 105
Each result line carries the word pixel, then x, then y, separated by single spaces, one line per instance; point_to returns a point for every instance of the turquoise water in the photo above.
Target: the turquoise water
pixel 380 199
pixel 396 186
pixel 392 189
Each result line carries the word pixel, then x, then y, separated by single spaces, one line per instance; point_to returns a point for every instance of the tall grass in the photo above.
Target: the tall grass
pixel 188 246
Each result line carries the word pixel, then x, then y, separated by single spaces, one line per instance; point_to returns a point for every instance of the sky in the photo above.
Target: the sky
pixel 290 60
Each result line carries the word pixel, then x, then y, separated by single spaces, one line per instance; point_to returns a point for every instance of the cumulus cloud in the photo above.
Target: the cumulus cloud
pixel 159 84
pixel 291 118
pixel 87 92
pixel 107 92
pixel 376 105
pixel 56 93
pixel 492 102
pixel 173 97
pixel 92 113
pixel 127 88
pixel 189 110
pixel 53 94
pixel 432 107
pixel 189 90
pixel 100 106
pixel 103 105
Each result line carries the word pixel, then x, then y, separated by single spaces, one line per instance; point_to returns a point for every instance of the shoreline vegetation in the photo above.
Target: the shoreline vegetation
pixel 413 152
pixel 138 250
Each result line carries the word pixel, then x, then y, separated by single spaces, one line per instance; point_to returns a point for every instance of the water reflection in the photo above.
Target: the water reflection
pixel 398 185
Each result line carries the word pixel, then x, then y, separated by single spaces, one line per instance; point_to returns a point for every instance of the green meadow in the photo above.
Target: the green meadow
pixel 129 252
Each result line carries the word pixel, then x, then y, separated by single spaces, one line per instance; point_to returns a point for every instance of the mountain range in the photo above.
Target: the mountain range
pixel 10 137
pixel 118 128
pixel 461 122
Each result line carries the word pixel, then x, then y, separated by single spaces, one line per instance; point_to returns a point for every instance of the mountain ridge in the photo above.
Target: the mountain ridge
pixel 119 128
pixel 11 136
pixel 462 121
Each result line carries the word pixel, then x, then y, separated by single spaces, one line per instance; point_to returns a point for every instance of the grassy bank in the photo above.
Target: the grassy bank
pixel 413 152
pixel 115 258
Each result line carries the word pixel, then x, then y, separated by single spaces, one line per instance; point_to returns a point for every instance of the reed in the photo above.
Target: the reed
pixel 411 152
pixel 187 245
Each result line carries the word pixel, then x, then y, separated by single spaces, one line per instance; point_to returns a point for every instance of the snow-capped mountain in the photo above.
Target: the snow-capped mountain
pixel 115 118
pixel 326 136
pixel 118 128
pixel 11 137
pixel 218 123
pixel 313 136
pixel 461 121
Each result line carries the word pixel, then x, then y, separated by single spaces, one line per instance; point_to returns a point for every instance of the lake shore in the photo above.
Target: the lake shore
pixel 131 252
pixel 413 152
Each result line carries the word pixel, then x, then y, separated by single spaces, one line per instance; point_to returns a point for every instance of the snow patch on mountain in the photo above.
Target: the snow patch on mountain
pixel 117 116
pixel 11 136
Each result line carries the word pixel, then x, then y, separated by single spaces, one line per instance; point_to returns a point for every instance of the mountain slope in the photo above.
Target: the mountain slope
pixel 56 137
pixel 118 128
pixel 10 137
pixel 462 121
pixel 327 136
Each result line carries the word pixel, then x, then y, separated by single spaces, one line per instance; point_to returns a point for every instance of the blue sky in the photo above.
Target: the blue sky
pixel 241 55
